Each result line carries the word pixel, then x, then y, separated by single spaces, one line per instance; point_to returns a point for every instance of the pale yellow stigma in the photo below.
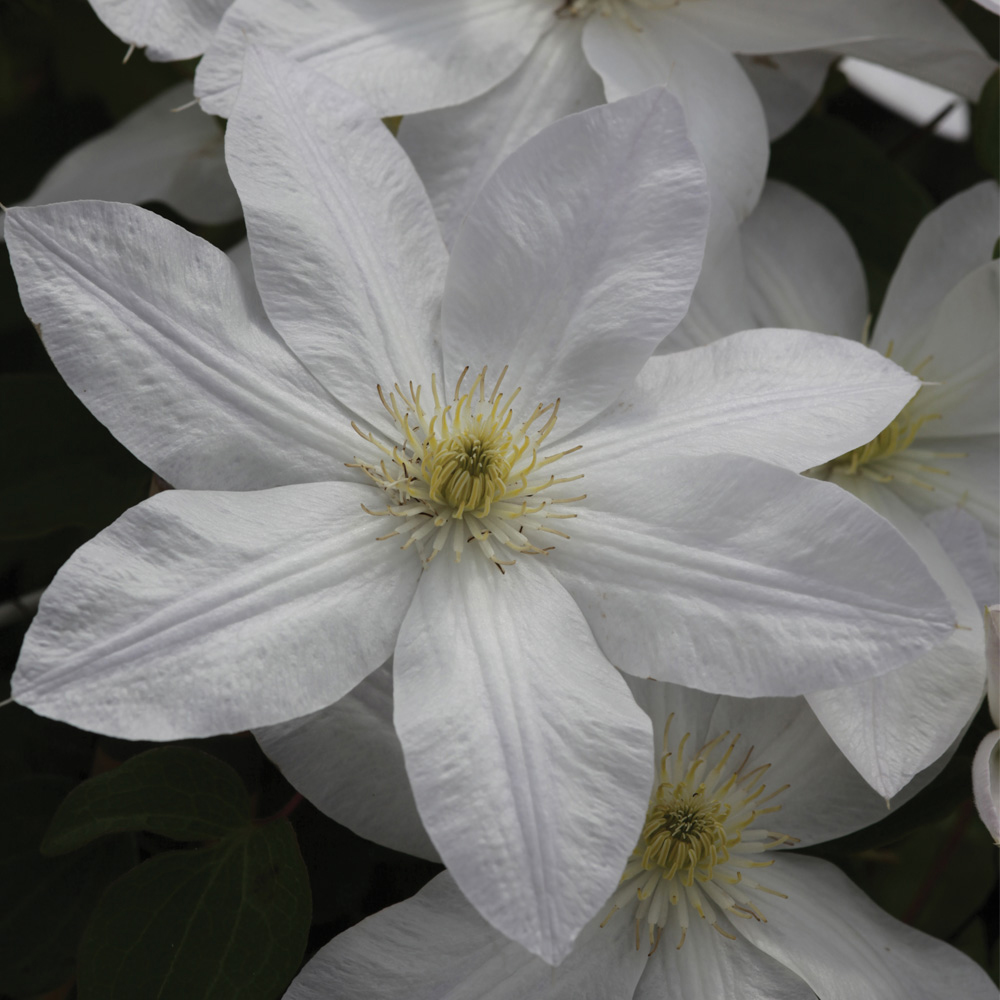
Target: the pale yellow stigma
pixel 699 841
pixel 465 471
pixel 890 456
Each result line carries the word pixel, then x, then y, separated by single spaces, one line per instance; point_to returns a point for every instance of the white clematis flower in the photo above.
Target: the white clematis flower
pixel 407 56
pixel 411 426
pixel 794 265
pixel 709 906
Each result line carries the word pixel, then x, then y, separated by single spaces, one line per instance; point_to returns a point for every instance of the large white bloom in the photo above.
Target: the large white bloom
pixel 409 439
pixel 544 57
pixel 710 907
pixel 794 265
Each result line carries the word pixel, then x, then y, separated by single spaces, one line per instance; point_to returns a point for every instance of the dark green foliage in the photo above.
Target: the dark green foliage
pixel 224 922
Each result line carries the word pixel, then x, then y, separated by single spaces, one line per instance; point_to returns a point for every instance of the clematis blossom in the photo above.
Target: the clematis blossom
pixel 793 264
pixel 711 906
pixel 469 463
pixel 408 56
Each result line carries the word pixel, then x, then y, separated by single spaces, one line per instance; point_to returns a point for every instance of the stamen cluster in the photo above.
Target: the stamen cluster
pixel 698 842
pixel 463 471
pixel 890 456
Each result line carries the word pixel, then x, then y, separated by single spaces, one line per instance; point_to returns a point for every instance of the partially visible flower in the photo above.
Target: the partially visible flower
pixel 794 265
pixel 154 154
pixel 407 56
pixel 710 907
pixel 986 765
pixel 165 29
pixel 394 468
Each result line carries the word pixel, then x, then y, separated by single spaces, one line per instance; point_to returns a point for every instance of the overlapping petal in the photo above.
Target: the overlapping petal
pixel 579 256
pixel 711 967
pixel 153 154
pixel 400 56
pixel 802 269
pixel 793 398
pixel 198 613
pixel 166 29
pixel 962 392
pixel 347 254
pixel 529 760
pixel 347 760
pixel 731 575
pixel 896 725
pixel 156 332
pixel 724 115
pixel 456 149
pixel 435 946
pixel 837 940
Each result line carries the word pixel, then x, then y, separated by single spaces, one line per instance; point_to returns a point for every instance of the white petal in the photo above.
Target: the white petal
pixel 435 946
pixel 845 947
pixel 788 84
pixel 951 242
pixel 896 725
pixel 786 25
pixel 198 613
pixel 346 251
pixel 579 255
pixel 724 115
pixel 166 29
pixel 728 574
pixel 964 539
pixel 158 334
pixel 802 269
pixel 152 155
pixel 953 60
pixel 456 149
pixel 720 304
pixel 938 110
pixel 788 397
pixel 826 797
pixel 986 782
pixel 992 627
pixel 530 761
pixel 346 759
pixel 708 967
pixel 400 56
pixel 958 345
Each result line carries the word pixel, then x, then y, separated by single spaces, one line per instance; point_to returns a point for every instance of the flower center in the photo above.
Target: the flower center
pixel 700 839
pixel 883 460
pixel 465 472
pixel 609 8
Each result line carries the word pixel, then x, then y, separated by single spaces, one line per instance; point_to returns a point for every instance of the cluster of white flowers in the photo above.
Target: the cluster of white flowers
pixel 540 496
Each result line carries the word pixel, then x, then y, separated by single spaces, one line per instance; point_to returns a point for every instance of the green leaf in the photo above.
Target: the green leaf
pixel 877 201
pixel 173 791
pixel 61 467
pixel 45 902
pixel 227 922
pixel 986 127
